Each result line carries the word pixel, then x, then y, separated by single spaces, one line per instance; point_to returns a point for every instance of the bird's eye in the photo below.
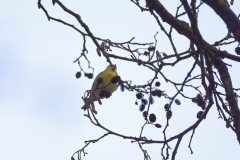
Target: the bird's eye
pixel 113 68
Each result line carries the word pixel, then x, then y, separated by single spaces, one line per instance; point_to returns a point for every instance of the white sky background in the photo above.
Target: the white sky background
pixel 40 98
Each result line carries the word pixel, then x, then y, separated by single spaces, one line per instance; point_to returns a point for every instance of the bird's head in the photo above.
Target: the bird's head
pixel 112 68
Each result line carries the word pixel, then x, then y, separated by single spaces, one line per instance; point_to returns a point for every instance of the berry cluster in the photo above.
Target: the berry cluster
pixel 168 111
pixel 157 92
pixel 151 48
pixel 88 75
pixel 152 118
pixel 140 96
pixel 200 102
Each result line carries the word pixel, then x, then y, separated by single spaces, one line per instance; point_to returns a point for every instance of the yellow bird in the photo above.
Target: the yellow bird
pixel 103 86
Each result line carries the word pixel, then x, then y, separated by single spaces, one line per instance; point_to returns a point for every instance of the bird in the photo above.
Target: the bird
pixel 103 86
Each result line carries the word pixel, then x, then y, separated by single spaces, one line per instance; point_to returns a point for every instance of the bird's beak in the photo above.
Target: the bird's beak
pixel 114 67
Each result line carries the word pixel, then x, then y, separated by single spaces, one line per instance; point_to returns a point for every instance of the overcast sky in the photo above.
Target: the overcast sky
pixel 40 98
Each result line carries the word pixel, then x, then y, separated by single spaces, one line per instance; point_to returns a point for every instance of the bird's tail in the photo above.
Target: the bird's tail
pixel 84 107
pixel 89 104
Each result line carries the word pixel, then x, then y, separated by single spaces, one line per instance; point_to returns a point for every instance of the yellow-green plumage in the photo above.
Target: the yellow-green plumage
pixel 106 75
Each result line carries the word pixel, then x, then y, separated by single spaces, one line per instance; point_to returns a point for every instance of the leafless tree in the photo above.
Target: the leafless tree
pixel 209 58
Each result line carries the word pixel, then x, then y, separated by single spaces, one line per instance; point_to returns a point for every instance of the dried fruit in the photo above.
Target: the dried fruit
pixel 142 107
pixel 88 75
pixel 154 93
pixel 145 113
pixel 152 118
pixel 115 79
pixel 151 48
pixel 158 125
pixel 199 114
pixel 166 106
pixel 157 84
pixel 139 95
pixel 177 101
pixel 159 93
pixel 237 50
pixel 108 94
pixel 144 101
pixel 78 74
pixel 169 114
pixel 151 100
pixel 146 53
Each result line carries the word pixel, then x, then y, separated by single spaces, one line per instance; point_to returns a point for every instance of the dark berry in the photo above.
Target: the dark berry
pixel 99 80
pixel 169 114
pixel 108 94
pixel 146 53
pixel 142 107
pixel 151 100
pixel 89 75
pixel 159 93
pixel 136 103
pixel 78 74
pixel 152 118
pixel 154 93
pixel 194 100
pixel 150 48
pixel 237 50
pixel 199 96
pixel 201 103
pixel 157 84
pixel 145 113
pixel 102 93
pixel 166 106
pixel 115 79
pixel 199 114
pixel 139 95
pixel 177 101
pixel 144 101
pixel 158 125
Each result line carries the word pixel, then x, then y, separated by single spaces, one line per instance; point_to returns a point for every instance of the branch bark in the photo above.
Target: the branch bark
pixel 183 28
pixel 228 16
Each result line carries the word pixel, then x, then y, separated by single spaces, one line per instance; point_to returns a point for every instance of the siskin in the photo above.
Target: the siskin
pixel 103 86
